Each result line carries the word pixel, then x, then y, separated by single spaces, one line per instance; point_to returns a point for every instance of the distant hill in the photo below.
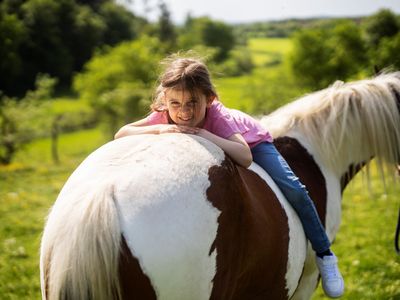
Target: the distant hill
pixel 283 28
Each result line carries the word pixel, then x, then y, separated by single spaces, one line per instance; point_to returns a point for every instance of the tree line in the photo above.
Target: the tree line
pixel 56 38
pixel 59 37
pixel 343 49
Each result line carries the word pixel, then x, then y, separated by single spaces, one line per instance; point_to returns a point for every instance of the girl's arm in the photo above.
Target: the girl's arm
pixel 142 127
pixel 235 146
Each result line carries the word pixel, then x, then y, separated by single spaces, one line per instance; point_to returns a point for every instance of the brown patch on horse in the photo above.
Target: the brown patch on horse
pixel 252 239
pixel 304 166
pixel 134 283
pixel 349 175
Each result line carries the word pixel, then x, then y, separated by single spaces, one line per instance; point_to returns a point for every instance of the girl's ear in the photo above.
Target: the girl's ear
pixel 210 101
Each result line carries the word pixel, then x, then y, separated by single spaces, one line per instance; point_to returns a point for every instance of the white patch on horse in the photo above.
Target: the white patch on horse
pixel 166 219
pixel 297 239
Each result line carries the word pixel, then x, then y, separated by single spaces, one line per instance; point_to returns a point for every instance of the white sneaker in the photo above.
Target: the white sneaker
pixel 332 280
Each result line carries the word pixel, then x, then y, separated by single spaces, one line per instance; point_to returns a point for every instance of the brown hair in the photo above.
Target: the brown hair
pixel 189 74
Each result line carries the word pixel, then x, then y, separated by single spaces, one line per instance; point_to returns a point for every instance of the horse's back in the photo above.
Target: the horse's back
pixel 192 224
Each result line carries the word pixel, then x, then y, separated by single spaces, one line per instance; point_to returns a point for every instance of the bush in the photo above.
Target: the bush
pixel 22 120
pixel 116 82
pixel 322 56
pixel 387 54
pixel 238 63
pixel 381 25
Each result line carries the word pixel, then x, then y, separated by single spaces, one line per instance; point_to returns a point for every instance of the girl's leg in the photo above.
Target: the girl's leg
pixel 267 156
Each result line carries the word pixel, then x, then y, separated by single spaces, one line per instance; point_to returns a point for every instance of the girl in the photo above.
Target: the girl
pixel 186 102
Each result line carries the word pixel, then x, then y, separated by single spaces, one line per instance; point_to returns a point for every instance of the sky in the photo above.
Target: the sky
pixel 242 11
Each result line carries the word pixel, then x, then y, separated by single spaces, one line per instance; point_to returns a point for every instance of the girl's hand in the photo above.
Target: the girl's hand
pixel 172 128
pixel 203 133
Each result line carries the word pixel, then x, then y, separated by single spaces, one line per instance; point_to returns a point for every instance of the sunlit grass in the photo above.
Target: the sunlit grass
pixel 28 188
pixel 268 51
pixel 68 105
pixel 365 242
pixel 266 89
pixel 271 83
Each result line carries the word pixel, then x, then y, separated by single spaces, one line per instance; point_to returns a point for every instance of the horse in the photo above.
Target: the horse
pixel 172 217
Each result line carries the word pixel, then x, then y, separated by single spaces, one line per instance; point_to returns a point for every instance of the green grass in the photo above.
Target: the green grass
pixel 267 51
pixel 28 188
pixel 269 86
pixel 69 105
pixel 364 244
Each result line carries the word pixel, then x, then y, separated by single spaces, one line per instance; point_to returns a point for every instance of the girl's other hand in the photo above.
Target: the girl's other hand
pixel 203 133
pixel 171 128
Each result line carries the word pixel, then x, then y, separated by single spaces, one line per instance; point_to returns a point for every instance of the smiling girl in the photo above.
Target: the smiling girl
pixel 186 102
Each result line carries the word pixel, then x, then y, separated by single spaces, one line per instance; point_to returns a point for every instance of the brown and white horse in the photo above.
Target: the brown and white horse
pixel 171 217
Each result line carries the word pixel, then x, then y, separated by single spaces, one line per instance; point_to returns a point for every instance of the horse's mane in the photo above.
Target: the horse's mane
pixel 346 120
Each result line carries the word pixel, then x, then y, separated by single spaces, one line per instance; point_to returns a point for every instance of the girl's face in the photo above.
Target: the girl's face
pixel 185 109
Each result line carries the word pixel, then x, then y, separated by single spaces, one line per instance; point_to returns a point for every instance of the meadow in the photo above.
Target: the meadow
pixel 29 186
pixel 271 83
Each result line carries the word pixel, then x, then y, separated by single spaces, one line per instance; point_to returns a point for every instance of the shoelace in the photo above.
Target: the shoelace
pixel 330 271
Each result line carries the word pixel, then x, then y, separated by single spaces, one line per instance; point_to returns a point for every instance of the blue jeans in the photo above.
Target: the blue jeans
pixel 267 156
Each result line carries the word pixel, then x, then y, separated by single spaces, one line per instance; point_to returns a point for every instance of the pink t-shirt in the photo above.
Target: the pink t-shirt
pixel 224 122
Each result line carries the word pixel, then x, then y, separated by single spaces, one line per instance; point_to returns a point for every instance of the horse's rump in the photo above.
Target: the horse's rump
pixel 192 224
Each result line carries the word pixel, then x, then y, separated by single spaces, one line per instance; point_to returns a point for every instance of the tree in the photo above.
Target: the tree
pixel 44 51
pixel 321 56
pixel 118 82
pixel 56 37
pixel 120 24
pixel 94 4
pixel 380 25
pixel 309 60
pixel 12 34
pixel 350 53
pixel 204 31
pixel 166 29
pixel 22 120
pixel 87 31
pixel 218 35
pixel 388 51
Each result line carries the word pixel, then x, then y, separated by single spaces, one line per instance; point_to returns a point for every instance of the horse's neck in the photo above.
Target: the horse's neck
pixel 351 159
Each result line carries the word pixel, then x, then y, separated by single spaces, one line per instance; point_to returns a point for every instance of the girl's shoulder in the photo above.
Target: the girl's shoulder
pixel 157 117
pixel 220 121
pixel 218 110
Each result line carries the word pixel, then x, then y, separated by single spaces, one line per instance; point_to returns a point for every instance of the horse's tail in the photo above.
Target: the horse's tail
pixel 80 248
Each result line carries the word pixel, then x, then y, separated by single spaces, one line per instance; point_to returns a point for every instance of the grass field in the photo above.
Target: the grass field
pixel 30 185
pixel 28 188
pixel 269 51
pixel 269 86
